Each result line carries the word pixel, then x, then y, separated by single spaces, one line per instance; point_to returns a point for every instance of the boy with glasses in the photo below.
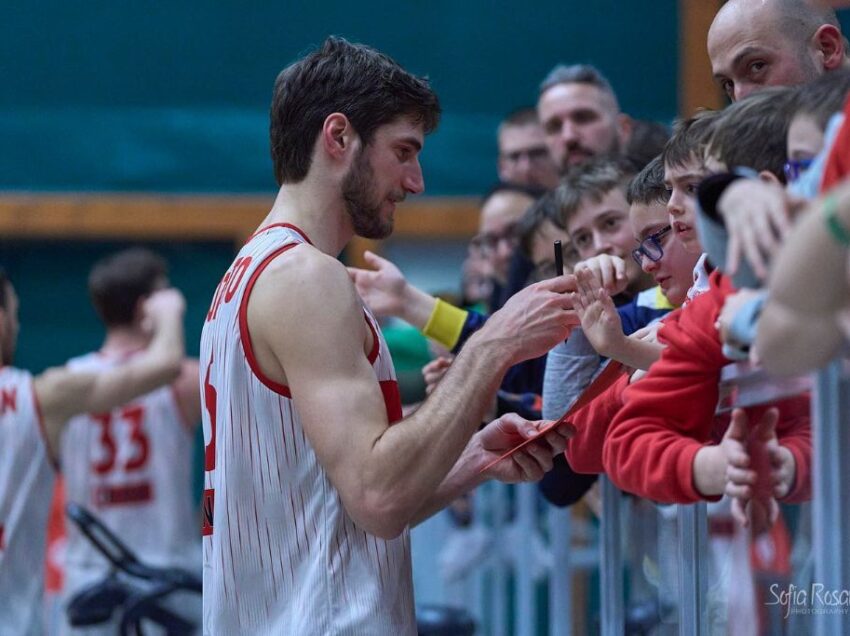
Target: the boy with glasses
pixel 658 448
pixel 666 260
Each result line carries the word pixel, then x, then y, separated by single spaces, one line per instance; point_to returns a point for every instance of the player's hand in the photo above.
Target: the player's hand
pixel 164 304
pixel 534 320
pixel 757 216
pixel 600 321
pixel 608 271
pixel 382 288
pixel 528 464
pixel 434 371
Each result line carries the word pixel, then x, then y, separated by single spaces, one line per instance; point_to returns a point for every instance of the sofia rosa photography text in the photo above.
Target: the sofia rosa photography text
pixel 814 599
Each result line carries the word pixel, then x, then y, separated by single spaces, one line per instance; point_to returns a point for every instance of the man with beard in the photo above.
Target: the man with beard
pixel 580 116
pixel 312 476
pixel 753 45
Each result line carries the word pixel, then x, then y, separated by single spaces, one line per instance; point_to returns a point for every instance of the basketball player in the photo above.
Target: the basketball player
pixel 32 412
pixel 312 476
pixel 131 466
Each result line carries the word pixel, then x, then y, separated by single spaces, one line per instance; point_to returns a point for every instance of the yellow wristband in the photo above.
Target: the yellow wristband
pixel 445 324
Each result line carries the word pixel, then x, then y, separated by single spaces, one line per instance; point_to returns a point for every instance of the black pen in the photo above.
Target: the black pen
pixel 559 259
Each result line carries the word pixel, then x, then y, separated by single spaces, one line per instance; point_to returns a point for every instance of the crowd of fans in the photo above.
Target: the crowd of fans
pixel 722 240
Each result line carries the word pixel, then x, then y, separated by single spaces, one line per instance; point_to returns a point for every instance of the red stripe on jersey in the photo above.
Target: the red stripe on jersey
pixel 376 344
pixel 50 452
pixel 208 509
pixel 289 225
pixel 392 400
pixel 245 335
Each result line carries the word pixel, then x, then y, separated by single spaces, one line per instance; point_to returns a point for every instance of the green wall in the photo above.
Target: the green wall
pixel 57 319
pixel 173 96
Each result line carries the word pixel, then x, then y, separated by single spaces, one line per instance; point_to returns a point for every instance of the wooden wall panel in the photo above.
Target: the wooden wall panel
pixel 697 88
pixel 187 218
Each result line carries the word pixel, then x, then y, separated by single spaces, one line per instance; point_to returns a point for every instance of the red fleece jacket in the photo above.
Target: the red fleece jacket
pixel 584 449
pixel 668 415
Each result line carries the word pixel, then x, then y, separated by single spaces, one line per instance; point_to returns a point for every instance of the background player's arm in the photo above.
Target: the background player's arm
pixel 63 393
pixel 186 392
pixel 383 473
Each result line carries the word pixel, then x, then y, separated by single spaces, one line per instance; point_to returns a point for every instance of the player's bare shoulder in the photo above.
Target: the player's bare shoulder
pixel 303 279
pixel 304 296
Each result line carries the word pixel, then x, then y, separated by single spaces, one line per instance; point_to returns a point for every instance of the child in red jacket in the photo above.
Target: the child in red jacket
pixel 666 443
pixel 662 255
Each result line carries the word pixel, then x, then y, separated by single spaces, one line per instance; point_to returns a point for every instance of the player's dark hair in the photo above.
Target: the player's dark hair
pixel 366 86
pixel 119 281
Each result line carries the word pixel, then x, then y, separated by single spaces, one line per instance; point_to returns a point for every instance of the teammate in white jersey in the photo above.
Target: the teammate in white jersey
pixel 312 477
pixel 32 412
pixel 131 466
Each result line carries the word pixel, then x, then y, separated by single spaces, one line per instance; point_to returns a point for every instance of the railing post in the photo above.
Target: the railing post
pixel 561 576
pixel 831 505
pixel 693 570
pixel 523 566
pixel 611 566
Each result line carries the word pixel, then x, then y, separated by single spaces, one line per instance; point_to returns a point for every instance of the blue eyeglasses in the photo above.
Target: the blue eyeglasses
pixel 795 167
pixel 651 247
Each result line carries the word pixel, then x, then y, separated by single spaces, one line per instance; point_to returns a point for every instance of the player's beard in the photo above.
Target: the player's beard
pixel 358 189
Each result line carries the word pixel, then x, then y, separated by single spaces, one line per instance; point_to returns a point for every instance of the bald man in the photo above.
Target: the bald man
pixel 758 43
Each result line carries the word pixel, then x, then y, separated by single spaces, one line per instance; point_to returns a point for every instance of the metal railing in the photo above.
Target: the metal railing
pixel 506 595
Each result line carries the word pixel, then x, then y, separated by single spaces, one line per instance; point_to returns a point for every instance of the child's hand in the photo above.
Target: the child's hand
pixel 759 470
pixel 434 371
pixel 600 321
pixel 757 218
pixel 609 272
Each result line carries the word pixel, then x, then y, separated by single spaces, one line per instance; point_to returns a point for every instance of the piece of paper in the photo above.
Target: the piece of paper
pixel 605 379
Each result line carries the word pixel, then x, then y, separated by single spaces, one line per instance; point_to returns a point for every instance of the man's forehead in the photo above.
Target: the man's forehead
pixel 574 96
pixel 520 136
pixel 740 28
pixel 404 128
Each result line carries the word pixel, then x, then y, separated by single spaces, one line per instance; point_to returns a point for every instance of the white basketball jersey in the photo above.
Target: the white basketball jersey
pixel 26 487
pixel 132 468
pixel 281 555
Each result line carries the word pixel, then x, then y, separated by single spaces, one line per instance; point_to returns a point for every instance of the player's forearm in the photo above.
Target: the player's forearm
pixel 159 364
pixel 412 458
pixel 463 477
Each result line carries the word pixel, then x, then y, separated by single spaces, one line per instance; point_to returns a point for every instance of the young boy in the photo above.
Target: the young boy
pixel 665 443
pixel 663 257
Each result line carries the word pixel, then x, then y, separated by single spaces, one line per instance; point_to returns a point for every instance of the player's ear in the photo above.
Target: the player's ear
pixel 337 135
